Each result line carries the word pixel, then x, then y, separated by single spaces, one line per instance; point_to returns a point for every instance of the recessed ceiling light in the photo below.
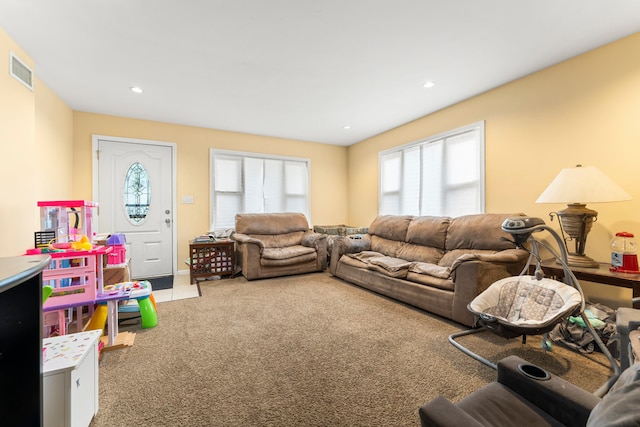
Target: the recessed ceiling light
pixel 135 89
pixel 429 84
pixel 347 127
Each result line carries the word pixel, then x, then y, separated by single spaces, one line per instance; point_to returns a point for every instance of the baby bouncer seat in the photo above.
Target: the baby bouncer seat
pixel 530 304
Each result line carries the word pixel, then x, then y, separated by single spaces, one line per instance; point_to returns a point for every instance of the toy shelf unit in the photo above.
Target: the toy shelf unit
pixel 208 259
pixel 76 277
pixel 66 219
pixel 73 278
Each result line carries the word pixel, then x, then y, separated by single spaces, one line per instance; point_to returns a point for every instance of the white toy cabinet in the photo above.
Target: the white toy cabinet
pixel 70 379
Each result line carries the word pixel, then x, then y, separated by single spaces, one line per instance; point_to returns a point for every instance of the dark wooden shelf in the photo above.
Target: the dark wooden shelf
pixel 602 275
pixel 208 259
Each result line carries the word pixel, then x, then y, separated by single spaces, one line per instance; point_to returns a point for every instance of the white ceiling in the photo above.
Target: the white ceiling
pixel 299 69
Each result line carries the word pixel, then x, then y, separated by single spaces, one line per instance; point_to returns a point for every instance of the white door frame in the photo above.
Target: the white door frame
pixel 95 186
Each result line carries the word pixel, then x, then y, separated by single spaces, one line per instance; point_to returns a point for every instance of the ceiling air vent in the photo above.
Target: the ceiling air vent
pixel 20 71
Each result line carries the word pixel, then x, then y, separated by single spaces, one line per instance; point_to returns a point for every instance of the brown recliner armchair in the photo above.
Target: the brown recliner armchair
pixel 278 244
pixel 526 395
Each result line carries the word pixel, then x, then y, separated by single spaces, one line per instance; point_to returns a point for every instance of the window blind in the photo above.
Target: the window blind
pixel 255 183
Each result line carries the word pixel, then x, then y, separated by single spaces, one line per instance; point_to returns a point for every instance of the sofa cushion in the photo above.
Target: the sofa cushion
pixel 394 267
pixel 360 259
pixel 397 274
pixel 386 246
pixel 365 256
pixel 431 281
pixel 349 260
pixel 392 227
pixel 430 274
pixel 450 257
pixel 430 270
pixel 482 231
pixel 413 252
pixel 428 231
pixel 389 266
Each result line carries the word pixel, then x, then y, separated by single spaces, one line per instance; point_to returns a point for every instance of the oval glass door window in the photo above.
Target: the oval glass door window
pixel 137 193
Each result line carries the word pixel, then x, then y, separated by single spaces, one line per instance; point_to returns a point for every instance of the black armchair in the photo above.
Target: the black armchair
pixel 526 395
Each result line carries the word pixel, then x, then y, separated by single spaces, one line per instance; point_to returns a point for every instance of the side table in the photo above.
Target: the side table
pixel 215 258
pixel 602 275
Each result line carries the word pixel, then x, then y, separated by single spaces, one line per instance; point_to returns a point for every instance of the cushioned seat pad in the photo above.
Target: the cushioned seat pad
pixel 290 255
pixel 498 407
pixel 287 252
pixel 371 260
pixel 524 300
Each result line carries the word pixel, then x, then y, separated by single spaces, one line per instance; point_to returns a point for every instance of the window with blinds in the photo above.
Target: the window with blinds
pixel 442 175
pixel 255 183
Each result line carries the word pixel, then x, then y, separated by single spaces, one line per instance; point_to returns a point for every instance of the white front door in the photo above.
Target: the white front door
pixel 134 191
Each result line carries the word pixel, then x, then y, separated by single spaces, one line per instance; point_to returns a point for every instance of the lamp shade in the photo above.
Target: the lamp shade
pixel 582 185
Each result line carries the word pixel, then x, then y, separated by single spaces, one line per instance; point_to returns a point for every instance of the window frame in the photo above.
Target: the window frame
pixel 241 155
pixel 441 137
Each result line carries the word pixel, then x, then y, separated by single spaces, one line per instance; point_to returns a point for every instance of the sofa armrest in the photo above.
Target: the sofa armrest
pixel 471 278
pixel 562 400
pixel 515 257
pixel 311 239
pixel 243 238
pixel 346 245
pixel 441 412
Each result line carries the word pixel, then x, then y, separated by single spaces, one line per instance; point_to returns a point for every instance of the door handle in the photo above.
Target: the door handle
pixel 168 221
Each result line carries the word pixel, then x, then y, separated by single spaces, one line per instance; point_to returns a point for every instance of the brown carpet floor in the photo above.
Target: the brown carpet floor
pixel 307 350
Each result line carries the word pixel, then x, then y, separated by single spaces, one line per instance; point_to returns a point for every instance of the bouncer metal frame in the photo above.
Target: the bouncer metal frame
pixel 522 233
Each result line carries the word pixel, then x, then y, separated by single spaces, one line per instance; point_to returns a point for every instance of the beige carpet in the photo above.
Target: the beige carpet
pixel 308 350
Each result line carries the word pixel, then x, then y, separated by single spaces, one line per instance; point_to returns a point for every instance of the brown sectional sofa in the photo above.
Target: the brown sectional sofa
pixel 438 264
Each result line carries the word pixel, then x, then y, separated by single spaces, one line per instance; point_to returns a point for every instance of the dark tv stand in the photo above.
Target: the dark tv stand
pixel 21 339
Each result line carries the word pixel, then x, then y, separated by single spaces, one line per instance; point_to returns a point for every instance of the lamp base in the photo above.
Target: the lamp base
pixel 581 261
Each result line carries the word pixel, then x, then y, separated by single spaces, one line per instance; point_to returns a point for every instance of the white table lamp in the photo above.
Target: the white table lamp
pixel 576 187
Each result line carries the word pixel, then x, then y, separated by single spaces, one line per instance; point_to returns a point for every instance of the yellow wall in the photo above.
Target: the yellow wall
pixel 36 152
pixel 54 147
pixel 17 113
pixel 328 166
pixel 583 111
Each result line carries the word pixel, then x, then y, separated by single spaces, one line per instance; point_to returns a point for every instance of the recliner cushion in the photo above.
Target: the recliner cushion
pixel 288 252
pixel 495 405
pixel 271 223
pixel 279 240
